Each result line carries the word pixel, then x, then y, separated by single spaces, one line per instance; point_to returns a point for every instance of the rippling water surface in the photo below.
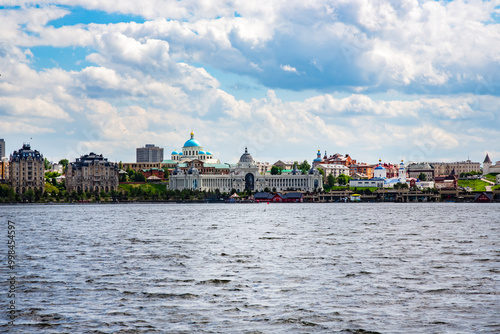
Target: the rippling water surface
pixel 255 268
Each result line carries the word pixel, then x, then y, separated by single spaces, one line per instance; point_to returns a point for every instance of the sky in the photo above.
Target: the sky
pixel 375 79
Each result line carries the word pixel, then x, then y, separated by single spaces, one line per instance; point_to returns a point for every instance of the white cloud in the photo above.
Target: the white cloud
pixel 288 68
pixel 152 81
pixel 38 107
pixel 15 127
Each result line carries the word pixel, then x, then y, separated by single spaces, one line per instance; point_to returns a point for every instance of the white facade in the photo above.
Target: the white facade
pixel 402 171
pixel 335 170
pixel 245 175
pixel 488 167
pixel 379 183
pixel 379 172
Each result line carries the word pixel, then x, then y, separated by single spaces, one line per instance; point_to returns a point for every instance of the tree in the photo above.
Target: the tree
pixel 331 180
pixel 139 177
pixel 166 173
pixel 321 171
pixel 343 179
pixel 65 163
pixel 29 195
pixel 304 167
pixel 422 177
pixel 46 164
pixel 275 170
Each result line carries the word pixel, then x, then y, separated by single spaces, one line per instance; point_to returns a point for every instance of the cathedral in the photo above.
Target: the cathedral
pixel 192 150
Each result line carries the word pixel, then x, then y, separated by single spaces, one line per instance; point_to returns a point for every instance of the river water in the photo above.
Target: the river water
pixel 254 268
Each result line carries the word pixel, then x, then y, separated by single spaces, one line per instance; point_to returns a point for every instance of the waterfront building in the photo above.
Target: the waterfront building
pixel 192 150
pixel 380 177
pixel 149 153
pixel 2 148
pixel 26 170
pixel 448 182
pixel 92 172
pixel 445 168
pixel 244 176
pixel 292 197
pixel 373 182
pixel 488 167
pixel 415 169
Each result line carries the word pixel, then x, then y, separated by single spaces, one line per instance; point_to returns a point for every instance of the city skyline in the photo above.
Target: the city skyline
pixel 275 159
pixel 418 81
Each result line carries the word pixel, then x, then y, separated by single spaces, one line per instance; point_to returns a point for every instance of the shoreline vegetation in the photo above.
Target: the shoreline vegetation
pixel 142 192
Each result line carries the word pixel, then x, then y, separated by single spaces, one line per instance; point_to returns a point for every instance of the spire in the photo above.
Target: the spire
pixel 487 159
pixel 192 134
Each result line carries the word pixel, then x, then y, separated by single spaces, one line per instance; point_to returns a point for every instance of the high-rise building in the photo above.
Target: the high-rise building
pixel 26 170
pixel 2 148
pixel 92 172
pixel 149 153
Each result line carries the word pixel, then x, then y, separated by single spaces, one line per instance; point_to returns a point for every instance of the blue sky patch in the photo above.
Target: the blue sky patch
pixel 81 15
pixel 68 59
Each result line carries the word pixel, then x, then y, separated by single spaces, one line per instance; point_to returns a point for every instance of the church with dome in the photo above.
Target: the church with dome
pixel 192 150
pixel 242 176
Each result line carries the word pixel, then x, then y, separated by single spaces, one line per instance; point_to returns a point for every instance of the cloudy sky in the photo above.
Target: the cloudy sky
pixel 389 79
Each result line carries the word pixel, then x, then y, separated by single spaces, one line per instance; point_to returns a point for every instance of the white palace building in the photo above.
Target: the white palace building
pixel 243 176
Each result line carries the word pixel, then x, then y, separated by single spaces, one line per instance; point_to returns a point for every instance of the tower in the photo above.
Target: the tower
pixel 402 171
pixel 486 165
pixel 318 159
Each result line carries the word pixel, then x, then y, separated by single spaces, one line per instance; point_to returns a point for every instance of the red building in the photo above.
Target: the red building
pixel 483 198
pixel 153 172
pixel 294 197
pixel 338 159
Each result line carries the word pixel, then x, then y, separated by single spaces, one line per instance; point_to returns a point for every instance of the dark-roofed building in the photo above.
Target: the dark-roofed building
pixel 414 170
pixel 483 197
pixel 292 197
pixel 446 181
pixel 92 172
pixel 26 170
